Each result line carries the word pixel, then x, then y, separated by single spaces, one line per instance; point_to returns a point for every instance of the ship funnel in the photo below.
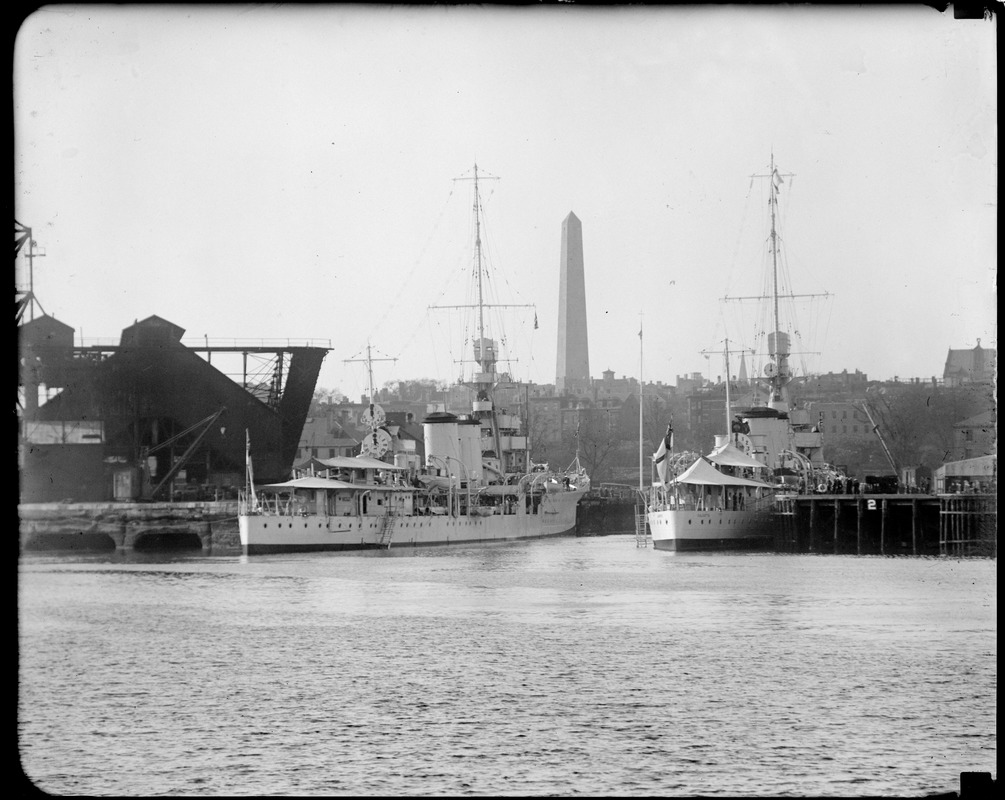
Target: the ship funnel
pixel 439 431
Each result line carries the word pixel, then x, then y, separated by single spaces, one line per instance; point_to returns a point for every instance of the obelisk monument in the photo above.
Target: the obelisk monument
pixel 573 372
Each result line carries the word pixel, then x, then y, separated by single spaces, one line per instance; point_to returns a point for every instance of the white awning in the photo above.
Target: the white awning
pixel 703 473
pixel 357 462
pixel 729 455
pixel 310 482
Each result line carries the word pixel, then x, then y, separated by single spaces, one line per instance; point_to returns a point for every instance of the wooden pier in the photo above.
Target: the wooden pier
pixel 888 524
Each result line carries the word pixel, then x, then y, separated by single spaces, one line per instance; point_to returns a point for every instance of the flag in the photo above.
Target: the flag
pixel 660 456
pixel 640 333
pixel 250 476
pixel 777 178
pixel 535 320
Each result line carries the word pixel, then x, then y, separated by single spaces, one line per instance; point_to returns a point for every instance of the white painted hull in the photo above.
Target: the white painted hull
pixel 683 530
pixel 277 533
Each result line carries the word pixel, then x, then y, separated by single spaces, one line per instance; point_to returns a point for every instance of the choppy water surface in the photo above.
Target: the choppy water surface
pixel 561 666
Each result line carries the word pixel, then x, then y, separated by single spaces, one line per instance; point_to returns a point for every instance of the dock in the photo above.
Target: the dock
pixel 888 524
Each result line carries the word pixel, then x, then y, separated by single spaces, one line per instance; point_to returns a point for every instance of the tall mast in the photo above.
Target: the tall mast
pixel 778 346
pixel 478 261
pixel 641 384
pixel 369 372
pixel 484 356
pixel 777 371
pixel 485 353
pixel 369 368
pixel 725 353
pixel 773 202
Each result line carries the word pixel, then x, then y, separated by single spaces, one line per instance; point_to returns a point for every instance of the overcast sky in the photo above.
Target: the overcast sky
pixel 272 173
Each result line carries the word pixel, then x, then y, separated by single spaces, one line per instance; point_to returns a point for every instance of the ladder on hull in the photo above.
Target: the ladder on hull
pixel 641 529
pixel 387 530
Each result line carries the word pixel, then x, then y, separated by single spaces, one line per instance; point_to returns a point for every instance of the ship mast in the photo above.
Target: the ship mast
pixel 777 371
pixel 369 369
pixel 778 348
pixel 729 405
pixel 376 442
pixel 478 267
pixel 484 380
pixel 773 203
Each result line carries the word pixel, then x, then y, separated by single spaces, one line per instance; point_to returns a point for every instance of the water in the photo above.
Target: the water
pixel 563 666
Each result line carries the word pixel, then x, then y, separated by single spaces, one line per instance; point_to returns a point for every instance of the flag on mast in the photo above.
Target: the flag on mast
pixel 662 452
pixel 250 474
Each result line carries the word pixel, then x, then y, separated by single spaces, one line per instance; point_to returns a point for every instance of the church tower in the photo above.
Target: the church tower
pixel 743 378
pixel 573 350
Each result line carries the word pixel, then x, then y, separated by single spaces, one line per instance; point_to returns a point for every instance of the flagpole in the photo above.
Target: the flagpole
pixel 641 479
pixel 670 464
pixel 249 475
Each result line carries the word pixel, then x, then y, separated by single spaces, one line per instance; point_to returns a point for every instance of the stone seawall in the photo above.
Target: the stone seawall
pixel 127 525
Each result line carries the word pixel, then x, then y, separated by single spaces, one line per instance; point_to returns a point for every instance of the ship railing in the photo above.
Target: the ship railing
pixel 271 504
pixel 686 501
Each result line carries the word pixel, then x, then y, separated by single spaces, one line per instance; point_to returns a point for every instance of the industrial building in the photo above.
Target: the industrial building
pixel 153 419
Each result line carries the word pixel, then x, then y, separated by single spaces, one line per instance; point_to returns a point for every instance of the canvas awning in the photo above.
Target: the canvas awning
pixel 729 455
pixel 357 462
pixel 310 482
pixel 703 473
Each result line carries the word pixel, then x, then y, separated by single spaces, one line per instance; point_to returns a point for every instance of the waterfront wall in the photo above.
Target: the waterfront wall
pixel 210 525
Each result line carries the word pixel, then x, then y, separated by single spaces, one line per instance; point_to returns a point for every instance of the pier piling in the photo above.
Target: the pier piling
pixel 896 524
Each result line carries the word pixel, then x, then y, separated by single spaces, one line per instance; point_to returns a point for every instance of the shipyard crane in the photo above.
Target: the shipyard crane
pixel 25 299
pixel 875 429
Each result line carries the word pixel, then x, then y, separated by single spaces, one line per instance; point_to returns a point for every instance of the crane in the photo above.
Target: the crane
pixel 875 429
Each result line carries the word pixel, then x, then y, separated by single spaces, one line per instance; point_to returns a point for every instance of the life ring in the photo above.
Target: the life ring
pixel 822 488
